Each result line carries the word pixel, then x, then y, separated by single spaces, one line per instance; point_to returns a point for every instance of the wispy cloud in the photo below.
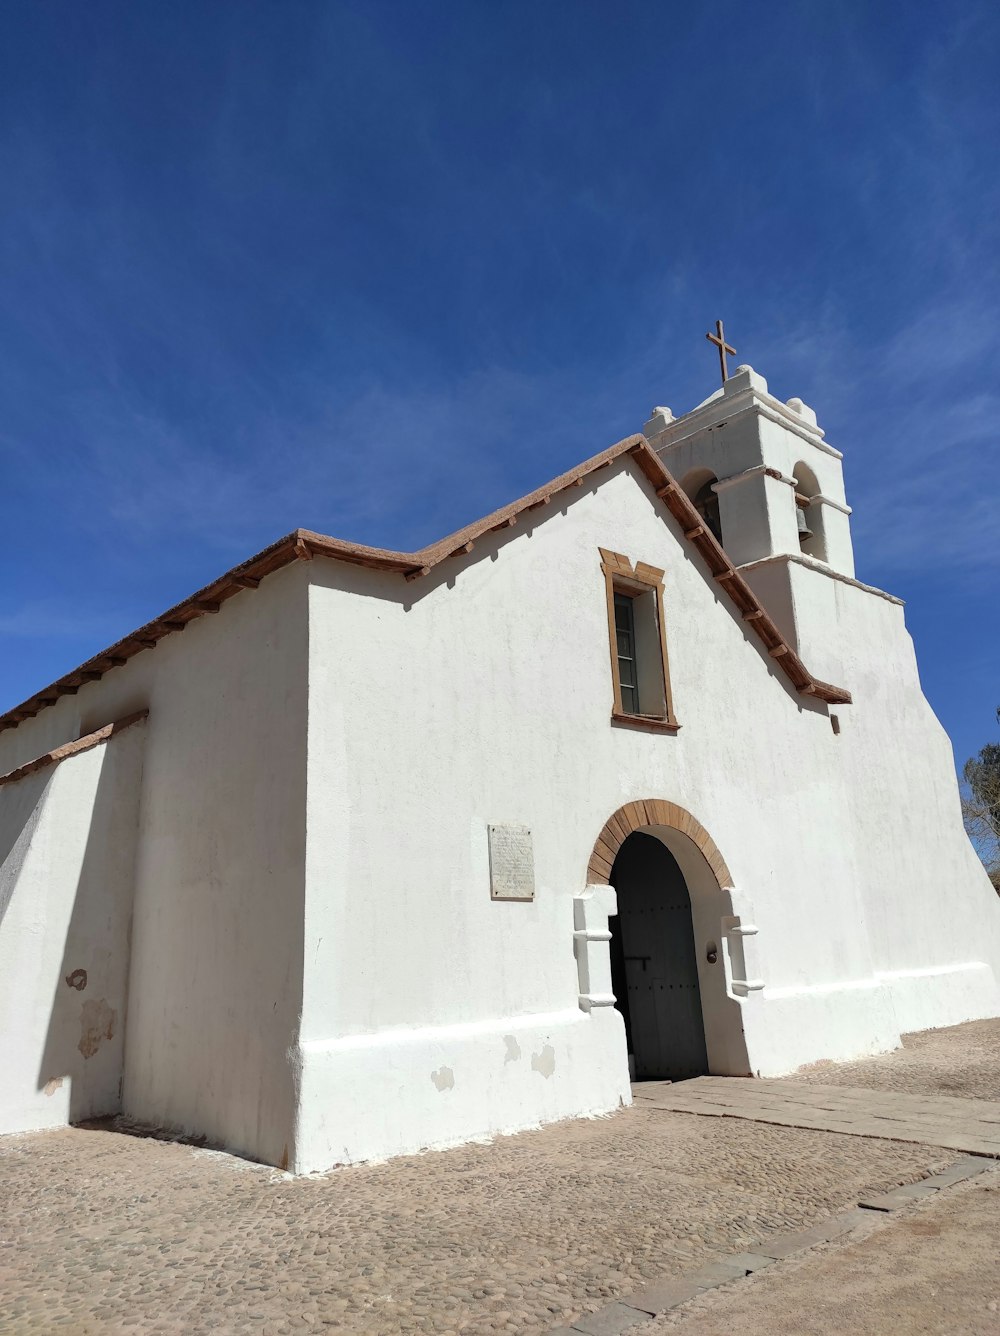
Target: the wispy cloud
pixel 376 276
pixel 50 619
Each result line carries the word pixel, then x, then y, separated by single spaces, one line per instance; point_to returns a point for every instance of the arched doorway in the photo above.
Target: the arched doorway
pixel 654 968
pixel 696 867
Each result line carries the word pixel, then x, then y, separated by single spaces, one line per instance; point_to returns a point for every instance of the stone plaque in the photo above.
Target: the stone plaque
pixel 512 863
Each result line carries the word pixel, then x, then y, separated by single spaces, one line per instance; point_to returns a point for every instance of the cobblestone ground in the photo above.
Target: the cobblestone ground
pixel 928 1271
pixel 962 1061
pixel 106 1233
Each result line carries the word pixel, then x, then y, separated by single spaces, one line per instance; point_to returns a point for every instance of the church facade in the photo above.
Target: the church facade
pixel 387 851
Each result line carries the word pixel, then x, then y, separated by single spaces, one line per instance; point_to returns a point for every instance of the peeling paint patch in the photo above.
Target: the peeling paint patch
pixel 50 1087
pixel 444 1078
pixel 98 1022
pixel 513 1049
pixel 545 1062
pixel 77 980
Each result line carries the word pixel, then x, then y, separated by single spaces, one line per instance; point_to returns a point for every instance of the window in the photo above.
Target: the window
pixel 639 670
pixel 625 637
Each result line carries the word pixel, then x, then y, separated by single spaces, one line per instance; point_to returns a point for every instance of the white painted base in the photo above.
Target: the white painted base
pixel 932 998
pixel 788 1028
pixel 402 1091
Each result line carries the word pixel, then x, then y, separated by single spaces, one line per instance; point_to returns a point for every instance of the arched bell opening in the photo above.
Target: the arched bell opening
pixel 809 513
pixel 699 487
pixel 668 941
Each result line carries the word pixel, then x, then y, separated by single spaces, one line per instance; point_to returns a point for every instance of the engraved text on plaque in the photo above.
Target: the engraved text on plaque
pixel 512 864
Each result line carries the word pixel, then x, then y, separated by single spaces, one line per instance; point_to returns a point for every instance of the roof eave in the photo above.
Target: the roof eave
pixel 304 544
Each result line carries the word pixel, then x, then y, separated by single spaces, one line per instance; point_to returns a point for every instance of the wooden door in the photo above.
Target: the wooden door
pixel 655 963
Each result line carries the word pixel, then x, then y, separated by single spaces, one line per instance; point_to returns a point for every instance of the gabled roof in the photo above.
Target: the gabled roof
pixel 303 545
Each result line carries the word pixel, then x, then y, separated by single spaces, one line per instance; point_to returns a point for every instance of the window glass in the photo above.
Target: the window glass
pixel 625 633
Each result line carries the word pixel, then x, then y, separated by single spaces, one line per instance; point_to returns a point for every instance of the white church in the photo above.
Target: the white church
pixel 357 852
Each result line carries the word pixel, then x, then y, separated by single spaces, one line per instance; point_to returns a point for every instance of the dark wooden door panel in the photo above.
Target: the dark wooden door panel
pixel 657 947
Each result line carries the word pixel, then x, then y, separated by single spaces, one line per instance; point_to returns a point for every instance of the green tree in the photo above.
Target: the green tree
pixel 981 805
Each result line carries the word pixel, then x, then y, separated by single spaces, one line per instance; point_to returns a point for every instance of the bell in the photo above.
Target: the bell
pixel 804 530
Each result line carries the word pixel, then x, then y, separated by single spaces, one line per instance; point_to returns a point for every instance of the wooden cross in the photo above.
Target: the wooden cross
pixel 719 339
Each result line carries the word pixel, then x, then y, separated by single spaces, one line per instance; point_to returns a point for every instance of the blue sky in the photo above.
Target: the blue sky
pixel 376 268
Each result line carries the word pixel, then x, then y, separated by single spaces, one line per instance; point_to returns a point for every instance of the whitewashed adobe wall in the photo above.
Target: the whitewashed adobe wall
pixel 318 973
pixel 898 769
pixel 483 694
pixel 214 987
pixel 852 634
pixel 67 855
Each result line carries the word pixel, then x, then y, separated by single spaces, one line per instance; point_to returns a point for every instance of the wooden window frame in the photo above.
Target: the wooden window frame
pixel 621 577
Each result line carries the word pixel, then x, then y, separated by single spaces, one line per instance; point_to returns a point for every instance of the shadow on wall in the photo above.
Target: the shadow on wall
pixel 21 806
pixel 86 1029
pixel 68 840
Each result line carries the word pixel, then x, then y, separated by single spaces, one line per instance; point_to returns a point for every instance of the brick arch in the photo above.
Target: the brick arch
pixel 641 815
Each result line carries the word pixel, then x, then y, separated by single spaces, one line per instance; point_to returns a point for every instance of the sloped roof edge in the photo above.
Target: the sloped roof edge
pixel 303 545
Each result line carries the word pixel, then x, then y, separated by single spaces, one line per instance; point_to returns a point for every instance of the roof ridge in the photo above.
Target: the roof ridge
pixel 304 544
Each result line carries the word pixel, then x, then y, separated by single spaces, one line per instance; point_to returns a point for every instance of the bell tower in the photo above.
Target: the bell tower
pixel 771 489
pixel 762 475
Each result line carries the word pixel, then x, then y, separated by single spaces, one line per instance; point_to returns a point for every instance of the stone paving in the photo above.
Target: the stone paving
pixel 961 1060
pixel 932 1269
pixel 106 1233
pixel 676 1298
pixel 959 1124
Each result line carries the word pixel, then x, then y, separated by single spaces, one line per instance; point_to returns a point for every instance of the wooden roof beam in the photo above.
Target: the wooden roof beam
pixel 303 544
